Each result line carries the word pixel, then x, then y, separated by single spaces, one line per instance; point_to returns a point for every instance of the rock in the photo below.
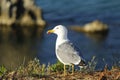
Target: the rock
pixel 34 10
pixel 4 16
pixel 93 27
pixel 7 13
pixel 21 15
pixel 96 30
pixel 26 20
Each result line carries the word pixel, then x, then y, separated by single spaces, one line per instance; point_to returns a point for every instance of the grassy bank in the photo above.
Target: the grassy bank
pixel 35 71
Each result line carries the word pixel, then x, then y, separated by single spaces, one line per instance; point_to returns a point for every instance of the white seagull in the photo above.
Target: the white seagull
pixel 65 51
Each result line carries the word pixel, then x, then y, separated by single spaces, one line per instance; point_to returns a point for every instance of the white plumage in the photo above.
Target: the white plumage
pixel 65 51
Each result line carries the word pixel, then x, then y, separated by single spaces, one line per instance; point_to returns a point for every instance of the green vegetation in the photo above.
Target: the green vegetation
pixel 91 65
pixel 35 70
pixel 3 70
pixel 57 67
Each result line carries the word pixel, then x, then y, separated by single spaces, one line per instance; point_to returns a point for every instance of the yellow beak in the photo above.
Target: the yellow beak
pixel 50 31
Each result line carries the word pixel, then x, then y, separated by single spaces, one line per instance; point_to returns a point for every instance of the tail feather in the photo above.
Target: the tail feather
pixel 82 63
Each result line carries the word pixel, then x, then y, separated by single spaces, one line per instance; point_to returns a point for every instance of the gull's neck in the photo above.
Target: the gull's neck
pixel 61 39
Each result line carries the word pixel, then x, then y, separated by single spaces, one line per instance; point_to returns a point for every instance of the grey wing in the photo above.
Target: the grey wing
pixel 68 54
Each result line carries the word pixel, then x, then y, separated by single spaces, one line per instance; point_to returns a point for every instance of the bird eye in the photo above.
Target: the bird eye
pixel 57 28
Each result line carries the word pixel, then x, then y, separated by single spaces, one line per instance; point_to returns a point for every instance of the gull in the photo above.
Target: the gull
pixel 66 52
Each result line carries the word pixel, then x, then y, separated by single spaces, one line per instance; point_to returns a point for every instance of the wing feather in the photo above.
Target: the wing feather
pixel 68 53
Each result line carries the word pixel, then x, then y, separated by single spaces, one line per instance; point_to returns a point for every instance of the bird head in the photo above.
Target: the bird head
pixel 59 29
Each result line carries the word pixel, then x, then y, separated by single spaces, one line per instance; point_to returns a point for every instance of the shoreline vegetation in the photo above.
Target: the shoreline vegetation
pixel 33 70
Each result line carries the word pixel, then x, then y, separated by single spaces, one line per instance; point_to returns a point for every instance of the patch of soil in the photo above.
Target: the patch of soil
pixel 113 74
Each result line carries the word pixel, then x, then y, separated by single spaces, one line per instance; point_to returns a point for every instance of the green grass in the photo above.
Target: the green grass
pixel 91 65
pixel 58 66
pixel 35 69
pixel 3 70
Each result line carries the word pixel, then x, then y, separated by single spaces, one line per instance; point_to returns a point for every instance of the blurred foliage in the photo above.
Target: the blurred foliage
pixel 33 68
pixel 90 66
pixel 58 66
pixel 3 70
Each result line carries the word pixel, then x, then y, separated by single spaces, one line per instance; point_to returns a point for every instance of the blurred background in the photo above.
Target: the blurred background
pixel 23 26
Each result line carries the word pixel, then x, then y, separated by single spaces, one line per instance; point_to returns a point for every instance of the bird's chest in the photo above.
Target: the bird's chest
pixel 59 42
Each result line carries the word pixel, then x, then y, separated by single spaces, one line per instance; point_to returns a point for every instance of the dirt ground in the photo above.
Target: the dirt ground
pixel 113 74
